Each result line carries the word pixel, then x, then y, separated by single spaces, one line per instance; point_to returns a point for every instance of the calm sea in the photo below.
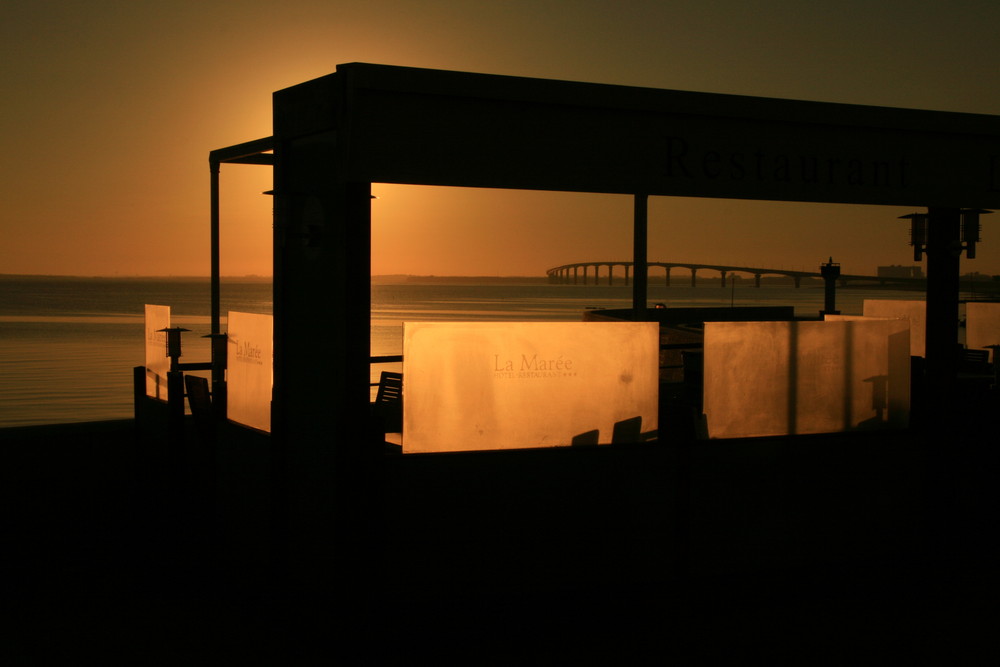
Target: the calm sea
pixel 68 345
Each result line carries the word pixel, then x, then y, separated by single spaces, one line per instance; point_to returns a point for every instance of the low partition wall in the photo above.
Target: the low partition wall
pixel 913 311
pixel 511 385
pixel 982 328
pixel 791 378
pixel 157 318
pixel 250 373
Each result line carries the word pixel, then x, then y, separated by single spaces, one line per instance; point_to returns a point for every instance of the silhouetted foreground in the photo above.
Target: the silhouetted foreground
pixel 865 547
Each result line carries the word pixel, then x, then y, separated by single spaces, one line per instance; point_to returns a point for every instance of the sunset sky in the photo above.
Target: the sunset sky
pixel 110 109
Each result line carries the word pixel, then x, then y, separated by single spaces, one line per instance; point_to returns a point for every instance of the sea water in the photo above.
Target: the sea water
pixel 68 345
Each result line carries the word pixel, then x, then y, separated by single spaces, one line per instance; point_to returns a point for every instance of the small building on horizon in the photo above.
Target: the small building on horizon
pixel 900 271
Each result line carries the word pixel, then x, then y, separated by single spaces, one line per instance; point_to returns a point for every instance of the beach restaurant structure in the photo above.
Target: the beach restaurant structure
pixel 336 135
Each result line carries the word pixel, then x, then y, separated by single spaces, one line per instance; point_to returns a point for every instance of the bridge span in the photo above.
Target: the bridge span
pixel 579 273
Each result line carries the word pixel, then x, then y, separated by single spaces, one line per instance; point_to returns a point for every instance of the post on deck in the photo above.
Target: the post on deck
pixel 640 241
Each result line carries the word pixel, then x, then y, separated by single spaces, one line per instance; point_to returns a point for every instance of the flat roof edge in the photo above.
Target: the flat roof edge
pixel 394 78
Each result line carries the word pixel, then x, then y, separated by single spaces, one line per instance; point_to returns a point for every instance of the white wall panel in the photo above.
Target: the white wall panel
pixel 982 325
pixel 914 311
pixel 509 385
pixel 250 369
pixel 157 361
pixel 781 378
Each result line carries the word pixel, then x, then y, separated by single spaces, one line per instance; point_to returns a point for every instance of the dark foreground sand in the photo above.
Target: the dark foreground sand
pixel 109 559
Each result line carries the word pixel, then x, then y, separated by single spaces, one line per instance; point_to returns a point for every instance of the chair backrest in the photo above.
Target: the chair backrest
pixel 198 394
pixel 200 399
pixel 974 361
pixel 389 401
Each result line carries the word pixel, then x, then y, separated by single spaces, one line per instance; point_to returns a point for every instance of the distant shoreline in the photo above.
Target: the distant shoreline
pixel 391 278
pixel 48 276
pixel 983 286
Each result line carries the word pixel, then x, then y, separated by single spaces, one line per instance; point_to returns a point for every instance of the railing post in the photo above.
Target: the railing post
pixel 220 360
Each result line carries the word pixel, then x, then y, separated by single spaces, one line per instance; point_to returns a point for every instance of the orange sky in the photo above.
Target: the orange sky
pixel 110 110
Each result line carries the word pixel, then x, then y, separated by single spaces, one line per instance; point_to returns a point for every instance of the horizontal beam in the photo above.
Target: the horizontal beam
pixel 260 158
pixel 243 153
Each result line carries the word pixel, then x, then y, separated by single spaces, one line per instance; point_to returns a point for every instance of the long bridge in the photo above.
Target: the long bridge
pixel 579 273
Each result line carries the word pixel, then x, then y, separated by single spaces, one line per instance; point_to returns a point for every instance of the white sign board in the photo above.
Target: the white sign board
pixel 982 325
pixel 914 311
pixel 249 375
pixel 786 378
pixel 157 361
pixel 511 385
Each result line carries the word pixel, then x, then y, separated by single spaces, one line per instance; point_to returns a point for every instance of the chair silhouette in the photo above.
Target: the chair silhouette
pixel 200 399
pixel 973 360
pixel 388 406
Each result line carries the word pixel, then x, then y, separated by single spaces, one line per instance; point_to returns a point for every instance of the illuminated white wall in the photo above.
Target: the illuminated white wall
pixel 914 311
pixel 157 361
pixel 509 385
pixel 982 325
pixel 250 369
pixel 783 378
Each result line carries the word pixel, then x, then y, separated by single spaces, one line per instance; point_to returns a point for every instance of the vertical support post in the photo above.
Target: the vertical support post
pixel 216 286
pixel 219 398
pixel 943 270
pixel 668 277
pixel 723 272
pixel 326 500
pixel 640 241
pixel 694 277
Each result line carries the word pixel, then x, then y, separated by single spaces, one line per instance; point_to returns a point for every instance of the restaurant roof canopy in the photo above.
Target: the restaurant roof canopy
pixel 430 127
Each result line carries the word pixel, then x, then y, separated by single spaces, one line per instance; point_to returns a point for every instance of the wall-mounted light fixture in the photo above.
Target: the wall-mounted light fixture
pixel 969 235
pixel 918 233
pixel 971 229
